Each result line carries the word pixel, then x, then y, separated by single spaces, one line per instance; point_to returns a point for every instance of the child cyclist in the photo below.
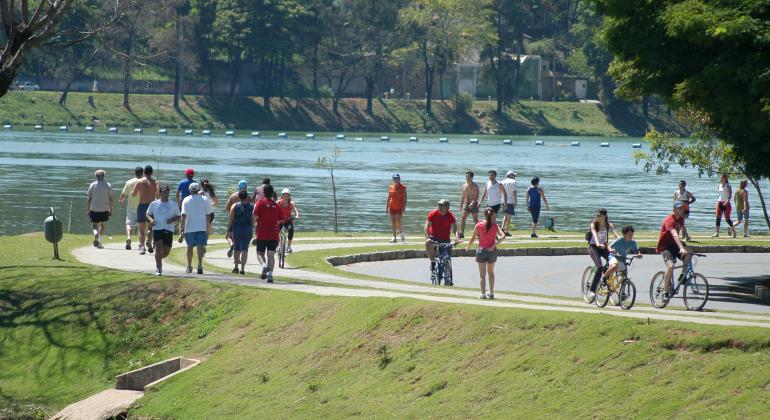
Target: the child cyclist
pixel 619 251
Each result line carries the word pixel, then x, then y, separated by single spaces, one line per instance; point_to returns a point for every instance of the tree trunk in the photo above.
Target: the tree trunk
pixel 177 84
pixel 646 107
pixel 429 72
pixel 517 66
pixel 63 97
pixel 369 94
pixel 267 82
pixel 126 81
pixel 334 198
pixel 498 71
pixel 441 72
pixel 755 183
pixel 235 65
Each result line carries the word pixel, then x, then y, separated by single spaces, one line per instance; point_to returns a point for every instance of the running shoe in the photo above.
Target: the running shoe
pixel 150 249
pixel 200 270
pixel 507 233
pixel 264 273
pixel 142 251
pixel 746 235
pixel 128 244
pixel 243 272
pixel 734 233
pixel 393 241
pixel 403 238
pixel 235 270
pixel 189 270
pixel 180 239
pixel 534 235
pixel 158 272
pixel 288 249
pixel 490 295
pixel 230 251
pixel 715 235
pixel 100 246
pixel 483 296
pixel 269 276
pixel 96 240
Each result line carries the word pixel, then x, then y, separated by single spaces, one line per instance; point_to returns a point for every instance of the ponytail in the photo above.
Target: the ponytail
pixel 488 215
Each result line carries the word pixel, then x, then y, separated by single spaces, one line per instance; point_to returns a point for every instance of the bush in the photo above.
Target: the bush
pixel 463 102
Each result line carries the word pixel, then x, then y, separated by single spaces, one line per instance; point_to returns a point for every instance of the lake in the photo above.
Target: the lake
pixel 42 169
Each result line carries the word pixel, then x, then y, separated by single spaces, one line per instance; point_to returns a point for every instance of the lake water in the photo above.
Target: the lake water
pixel 42 169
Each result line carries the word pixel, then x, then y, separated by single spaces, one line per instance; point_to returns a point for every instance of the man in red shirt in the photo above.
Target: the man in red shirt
pixel 266 217
pixel 440 226
pixel 670 246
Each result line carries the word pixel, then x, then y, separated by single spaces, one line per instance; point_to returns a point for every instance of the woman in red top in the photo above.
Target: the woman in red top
pixel 286 205
pixel 489 235
pixel 395 206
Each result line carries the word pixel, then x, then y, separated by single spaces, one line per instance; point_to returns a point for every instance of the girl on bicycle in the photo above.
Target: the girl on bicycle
pixel 489 235
pixel 598 242
pixel 286 205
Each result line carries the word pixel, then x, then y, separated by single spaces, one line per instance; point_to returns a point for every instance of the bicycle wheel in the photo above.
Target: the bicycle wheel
pixel 696 292
pixel 448 272
pixel 585 284
pixel 602 295
pixel 282 251
pixel 613 286
pixel 627 294
pixel 656 290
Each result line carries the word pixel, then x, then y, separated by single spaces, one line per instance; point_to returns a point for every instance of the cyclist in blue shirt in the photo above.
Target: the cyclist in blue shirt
pixel 621 247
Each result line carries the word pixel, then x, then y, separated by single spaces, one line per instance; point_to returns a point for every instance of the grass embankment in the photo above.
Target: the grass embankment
pixel 68 328
pixel 406 116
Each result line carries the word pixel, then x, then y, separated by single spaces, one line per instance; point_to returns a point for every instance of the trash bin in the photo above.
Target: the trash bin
pixel 550 223
pixel 53 232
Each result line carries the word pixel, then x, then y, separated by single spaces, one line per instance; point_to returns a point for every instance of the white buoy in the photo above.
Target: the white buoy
pixel 89 129
pixel 256 134
pixel 7 127
pixel 539 143
pixel 310 136
pixel 113 130
pixel 473 140
pixel 188 132
pixel 507 141
pixel 384 138
pixel 162 131
pixel 206 132
pixel 636 145
pixel 413 139
pixel 230 133
pixel 138 130
pixel 605 144
pixel 575 144
pixel 359 139
pixel 65 128
pixel 340 137
pixel 443 140
pixel 38 127
pixel 282 135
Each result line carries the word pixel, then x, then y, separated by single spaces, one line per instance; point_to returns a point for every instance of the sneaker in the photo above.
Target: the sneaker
pixel 534 235
pixel 200 270
pixel 230 251
pixel 734 233
pixel 746 235
pixel 180 239
pixel 158 272
pixel 150 249
pixel 189 270
pixel 141 251
pixel 460 235
pixel 128 244
pixel 507 233
pixel 264 273
pixel 393 241
pixel 269 276
pixel 490 295
pixel 96 240
pixel 403 238
pixel 235 270
pixel 288 249
pixel 483 296
pixel 449 283
pixel 715 235
pixel 100 246
pixel 243 272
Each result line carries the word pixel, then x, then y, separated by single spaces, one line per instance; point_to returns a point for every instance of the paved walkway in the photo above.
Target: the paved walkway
pixel 114 256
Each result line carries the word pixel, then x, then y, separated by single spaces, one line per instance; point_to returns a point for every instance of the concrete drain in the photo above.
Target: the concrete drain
pixel 143 378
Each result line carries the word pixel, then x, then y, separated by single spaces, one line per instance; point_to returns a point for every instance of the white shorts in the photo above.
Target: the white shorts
pixel 131 216
pixel 617 261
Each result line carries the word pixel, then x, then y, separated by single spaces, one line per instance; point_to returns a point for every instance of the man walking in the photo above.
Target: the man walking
pixel 99 206
pixel 162 215
pixel 509 183
pixel 469 202
pixel 495 193
pixel 266 217
pixel 183 189
pixel 132 203
pixel 195 224
pixel 231 201
pixel 147 190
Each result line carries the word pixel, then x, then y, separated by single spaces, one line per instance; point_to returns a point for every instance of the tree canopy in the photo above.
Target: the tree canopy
pixel 709 55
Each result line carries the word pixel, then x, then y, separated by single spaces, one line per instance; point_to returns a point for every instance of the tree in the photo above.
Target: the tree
pixel 330 164
pixel 340 50
pixel 176 36
pixel 231 31
pixel 710 56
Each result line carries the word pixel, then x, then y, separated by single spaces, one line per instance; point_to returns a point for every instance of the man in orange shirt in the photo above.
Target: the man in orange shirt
pixel 147 189
pixel 395 206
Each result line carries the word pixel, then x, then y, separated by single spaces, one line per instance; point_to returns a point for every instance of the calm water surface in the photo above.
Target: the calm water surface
pixel 42 169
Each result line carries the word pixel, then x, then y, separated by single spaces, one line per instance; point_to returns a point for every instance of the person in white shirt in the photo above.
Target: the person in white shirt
pixel 99 206
pixel 495 193
pixel 132 203
pixel 509 184
pixel 162 215
pixel 195 224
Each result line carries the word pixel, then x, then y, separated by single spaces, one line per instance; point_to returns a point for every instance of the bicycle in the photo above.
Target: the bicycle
pixel 617 285
pixel 696 287
pixel 283 240
pixel 442 270
pixel 585 282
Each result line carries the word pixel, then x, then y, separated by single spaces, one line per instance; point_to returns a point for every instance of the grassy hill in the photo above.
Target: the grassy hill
pixel 408 116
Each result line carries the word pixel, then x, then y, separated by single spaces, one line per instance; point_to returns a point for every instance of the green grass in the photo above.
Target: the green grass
pixel 246 113
pixel 66 329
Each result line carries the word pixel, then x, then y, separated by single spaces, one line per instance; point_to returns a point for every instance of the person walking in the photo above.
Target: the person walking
pixel 490 235
pixel 469 202
pixel 287 206
pixel 723 205
pixel 240 229
pixel 258 192
pixel 509 183
pixel 396 206
pixel 266 217
pixel 208 191
pixel 535 195
pixel 686 197
pixel 162 215
pixel 195 224
pixel 147 190
pixel 131 203
pixel 183 189
pixel 495 193
pixel 742 208
pixel 231 201
pixel 99 206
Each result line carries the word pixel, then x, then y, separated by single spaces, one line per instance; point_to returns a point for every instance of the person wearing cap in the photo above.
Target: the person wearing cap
pixel 509 183
pixel 670 245
pixel 131 203
pixel 240 229
pixel 395 206
pixel 266 217
pixel 469 202
pixel 183 189
pixel 495 193
pixel 287 205
pixel 231 201
pixel 99 206
pixel 440 226
pixel 162 216
pixel 195 224
pixel 147 190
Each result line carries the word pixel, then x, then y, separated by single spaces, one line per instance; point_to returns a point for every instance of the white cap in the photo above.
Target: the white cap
pixel 194 187
pixel 510 173
pixel 285 191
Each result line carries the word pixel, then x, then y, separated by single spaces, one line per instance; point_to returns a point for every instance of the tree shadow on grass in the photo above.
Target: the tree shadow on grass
pixel 244 112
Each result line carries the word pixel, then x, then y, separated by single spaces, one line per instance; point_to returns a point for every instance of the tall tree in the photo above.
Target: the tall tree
pixel 176 35
pixel 232 29
pixel 340 49
pixel 712 56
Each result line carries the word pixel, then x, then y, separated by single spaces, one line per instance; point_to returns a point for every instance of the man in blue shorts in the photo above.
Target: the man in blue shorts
pixel 195 224
pixel 162 215
pixel 534 195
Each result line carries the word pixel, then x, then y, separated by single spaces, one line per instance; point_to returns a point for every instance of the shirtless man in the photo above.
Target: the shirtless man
pixel 469 202
pixel 147 190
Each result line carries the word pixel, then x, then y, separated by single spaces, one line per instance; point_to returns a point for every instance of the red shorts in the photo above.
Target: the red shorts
pixel 395 211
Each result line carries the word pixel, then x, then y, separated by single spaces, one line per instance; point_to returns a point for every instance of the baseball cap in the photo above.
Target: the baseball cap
pixel 285 191
pixel 195 187
pixel 242 184
pixel 189 172
pixel 678 204
pixel 443 202
pixel 396 175
pixel 510 173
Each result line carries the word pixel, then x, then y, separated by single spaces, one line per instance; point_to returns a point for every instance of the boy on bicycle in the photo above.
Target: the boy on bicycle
pixel 670 246
pixel 619 251
pixel 439 228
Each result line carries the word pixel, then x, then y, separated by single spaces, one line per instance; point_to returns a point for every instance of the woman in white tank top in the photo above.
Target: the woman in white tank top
pixel 723 206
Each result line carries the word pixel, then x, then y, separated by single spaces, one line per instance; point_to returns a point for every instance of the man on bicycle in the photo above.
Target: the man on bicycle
pixel 670 245
pixel 439 228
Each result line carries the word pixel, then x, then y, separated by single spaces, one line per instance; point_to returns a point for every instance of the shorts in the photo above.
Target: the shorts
pixel 535 212
pixel 671 254
pixel 617 261
pixel 99 216
pixel 471 208
pixel 141 213
pixel 484 255
pixel 743 214
pixel 199 238
pixel 130 217
pixel 495 208
pixel 211 217
pixel 242 238
pixel 166 236
pixel 510 210
pixel 395 211
pixel 266 244
pixel 444 250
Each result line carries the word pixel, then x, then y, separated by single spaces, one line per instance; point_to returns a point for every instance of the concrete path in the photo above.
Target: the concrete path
pixel 114 256
pixel 104 405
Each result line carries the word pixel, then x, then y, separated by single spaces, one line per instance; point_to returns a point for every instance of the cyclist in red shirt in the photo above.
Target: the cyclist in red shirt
pixel 440 226
pixel 266 217
pixel 670 246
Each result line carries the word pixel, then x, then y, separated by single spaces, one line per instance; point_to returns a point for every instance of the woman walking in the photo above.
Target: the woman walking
pixel 723 206
pixel 489 235
pixel 240 229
